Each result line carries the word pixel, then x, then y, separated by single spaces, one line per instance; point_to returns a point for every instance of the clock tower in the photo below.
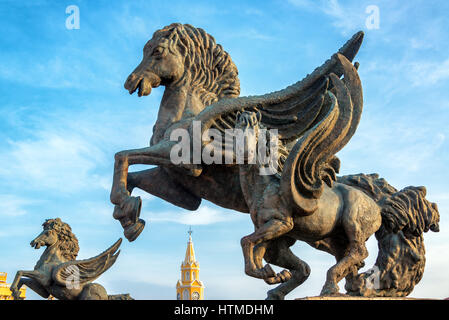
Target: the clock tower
pixel 190 287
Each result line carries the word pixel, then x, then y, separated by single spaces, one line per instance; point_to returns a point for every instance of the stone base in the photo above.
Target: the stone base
pixel 347 297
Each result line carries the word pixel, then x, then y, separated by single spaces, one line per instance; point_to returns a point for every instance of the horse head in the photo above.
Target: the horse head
pixel 57 233
pixel 188 62
pixel 247 132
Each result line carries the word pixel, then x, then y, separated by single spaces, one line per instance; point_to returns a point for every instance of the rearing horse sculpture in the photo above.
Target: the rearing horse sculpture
pixel 315 118
pixel 201 83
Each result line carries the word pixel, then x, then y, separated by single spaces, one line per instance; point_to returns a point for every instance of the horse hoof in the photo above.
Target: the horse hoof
pixel 329 290
pixel 118 213
pixel 268 272
pixel 284 275
pixel 131 208
pixel 134 230
pixel 274 295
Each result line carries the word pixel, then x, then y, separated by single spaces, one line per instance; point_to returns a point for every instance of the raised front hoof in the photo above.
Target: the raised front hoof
pixel 264 273
pixel 281 277
pixel 330 290
pixel 16 295
pixel 273 294
pixel 134 230
pixel 131 208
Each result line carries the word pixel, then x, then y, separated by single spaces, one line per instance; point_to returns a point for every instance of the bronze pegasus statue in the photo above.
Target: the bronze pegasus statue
pixel 58 274
pixel 349 210
pixel 304 200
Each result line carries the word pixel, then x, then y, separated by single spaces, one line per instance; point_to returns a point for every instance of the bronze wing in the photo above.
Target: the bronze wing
pixel 315 117
pixel 292 110
pixel 86 271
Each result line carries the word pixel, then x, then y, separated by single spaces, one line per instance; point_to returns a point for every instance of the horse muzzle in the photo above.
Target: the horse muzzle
pixel 142 83
pixel 435 228
pixel 36 244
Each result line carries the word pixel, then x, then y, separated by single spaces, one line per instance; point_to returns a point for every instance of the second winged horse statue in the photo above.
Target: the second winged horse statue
pixel 314 118
pixel 59 274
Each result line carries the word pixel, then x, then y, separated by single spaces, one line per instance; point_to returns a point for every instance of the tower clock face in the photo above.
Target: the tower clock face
pixel 195 296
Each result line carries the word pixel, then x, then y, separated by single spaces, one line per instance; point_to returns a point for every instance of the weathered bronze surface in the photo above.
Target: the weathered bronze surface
pixel 58 274
pixel 304 200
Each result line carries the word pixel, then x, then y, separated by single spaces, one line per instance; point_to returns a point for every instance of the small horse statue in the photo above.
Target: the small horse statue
pixel 345 219
pixel 57 273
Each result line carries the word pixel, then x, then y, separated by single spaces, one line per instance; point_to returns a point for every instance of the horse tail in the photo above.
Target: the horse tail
pixel 406 215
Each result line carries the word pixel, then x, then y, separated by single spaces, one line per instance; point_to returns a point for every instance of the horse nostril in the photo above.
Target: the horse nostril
pixel 130 79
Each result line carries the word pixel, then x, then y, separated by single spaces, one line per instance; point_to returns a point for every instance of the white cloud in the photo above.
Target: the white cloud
pixel 204 215
pixel 428 72
pixel 12 205
pixel 346 19
pixel 55 160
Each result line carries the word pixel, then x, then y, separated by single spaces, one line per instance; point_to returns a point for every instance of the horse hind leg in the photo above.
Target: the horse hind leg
pixel 347 266
pixel 355 252
pixel 278 253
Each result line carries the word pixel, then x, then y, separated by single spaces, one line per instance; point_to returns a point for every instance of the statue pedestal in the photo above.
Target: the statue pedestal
pixel 347 297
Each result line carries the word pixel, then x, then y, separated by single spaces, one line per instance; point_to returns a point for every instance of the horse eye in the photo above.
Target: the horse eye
pixel 158 51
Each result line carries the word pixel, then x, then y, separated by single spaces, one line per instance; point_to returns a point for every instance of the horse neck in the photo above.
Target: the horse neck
pixel 177 103
pixel 51 255
pixel 251 168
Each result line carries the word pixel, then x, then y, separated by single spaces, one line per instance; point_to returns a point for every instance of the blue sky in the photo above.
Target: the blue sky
pixel 64 114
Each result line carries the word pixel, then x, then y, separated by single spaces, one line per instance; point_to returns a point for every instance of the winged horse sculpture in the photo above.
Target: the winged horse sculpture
pixel 314 118
pixel 59 274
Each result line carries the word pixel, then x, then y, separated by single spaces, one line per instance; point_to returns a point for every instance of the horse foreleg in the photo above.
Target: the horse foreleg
pixel 272 229
pixel 158 182
pixel 35 286
pixel 158 154
pixel 127 209
pixel 279 253
pixel 17 283
pixel 259 253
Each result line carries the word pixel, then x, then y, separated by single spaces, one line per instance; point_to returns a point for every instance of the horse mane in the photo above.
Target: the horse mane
pixel 68 243
pixel 208 68
pixel 409 211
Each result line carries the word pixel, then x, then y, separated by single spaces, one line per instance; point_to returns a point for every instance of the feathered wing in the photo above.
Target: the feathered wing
pixel 293 110
pixel 86 271
pixel 318 114
pixel 312 161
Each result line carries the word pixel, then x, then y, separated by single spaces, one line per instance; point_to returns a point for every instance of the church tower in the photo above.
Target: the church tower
pixel 190 287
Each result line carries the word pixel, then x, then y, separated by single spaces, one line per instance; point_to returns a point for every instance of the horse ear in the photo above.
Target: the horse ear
pixel 259 116
pixel 423 190
pixel 237 115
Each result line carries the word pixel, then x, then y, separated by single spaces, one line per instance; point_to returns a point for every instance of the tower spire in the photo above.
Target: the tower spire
pixel 190 252
pixel 190 287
